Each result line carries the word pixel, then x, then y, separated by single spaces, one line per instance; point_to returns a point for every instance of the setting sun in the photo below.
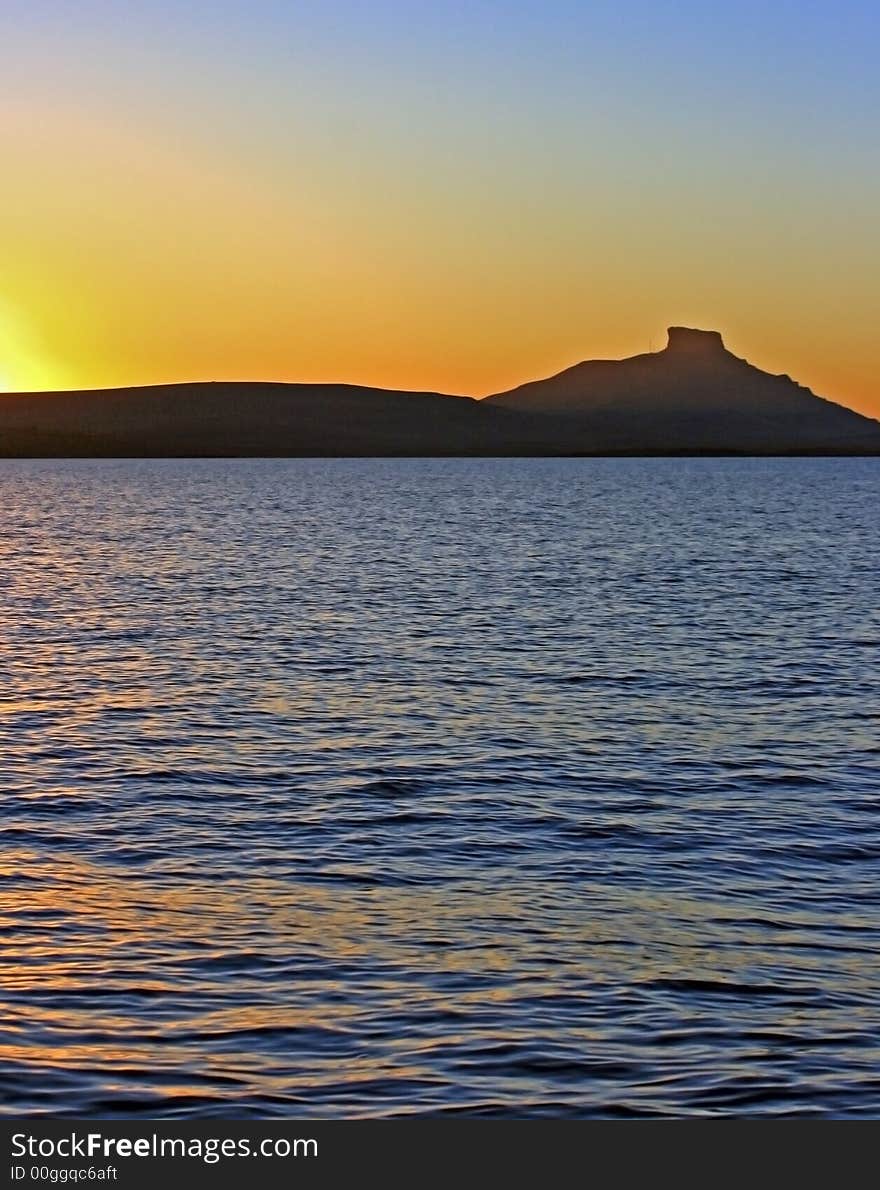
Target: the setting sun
pixel 385 222
pixel 25 364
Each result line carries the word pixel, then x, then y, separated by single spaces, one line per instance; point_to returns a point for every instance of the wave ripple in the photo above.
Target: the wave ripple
pixel 401 787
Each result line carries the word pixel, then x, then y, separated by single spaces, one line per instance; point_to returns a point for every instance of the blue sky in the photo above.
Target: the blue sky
pixel 569 176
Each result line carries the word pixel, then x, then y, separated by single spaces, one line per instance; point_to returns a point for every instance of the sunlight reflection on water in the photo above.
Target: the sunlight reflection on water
pixel 344 787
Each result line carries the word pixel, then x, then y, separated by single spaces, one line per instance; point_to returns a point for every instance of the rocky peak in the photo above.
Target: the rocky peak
pixel 684 340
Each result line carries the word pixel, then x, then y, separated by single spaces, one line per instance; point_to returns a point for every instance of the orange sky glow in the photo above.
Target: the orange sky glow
pixel 322 219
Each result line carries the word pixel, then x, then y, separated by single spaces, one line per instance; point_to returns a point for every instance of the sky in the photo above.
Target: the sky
pixel 448 196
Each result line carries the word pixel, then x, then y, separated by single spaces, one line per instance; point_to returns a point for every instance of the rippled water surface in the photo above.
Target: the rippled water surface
pixel 342 787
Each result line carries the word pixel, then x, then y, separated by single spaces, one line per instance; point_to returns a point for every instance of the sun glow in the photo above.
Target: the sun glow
pixel 24 365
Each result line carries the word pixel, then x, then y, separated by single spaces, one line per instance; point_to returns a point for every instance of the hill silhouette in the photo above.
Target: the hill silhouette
pixel 693 397
pixel 250 419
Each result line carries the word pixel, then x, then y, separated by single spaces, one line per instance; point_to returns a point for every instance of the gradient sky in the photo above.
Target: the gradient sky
pixel 454 196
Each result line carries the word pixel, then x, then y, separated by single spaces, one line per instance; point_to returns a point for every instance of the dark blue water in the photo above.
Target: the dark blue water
pixel 365 788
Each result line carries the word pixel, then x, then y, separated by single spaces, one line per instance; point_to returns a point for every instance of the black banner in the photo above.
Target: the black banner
pixel 214 1153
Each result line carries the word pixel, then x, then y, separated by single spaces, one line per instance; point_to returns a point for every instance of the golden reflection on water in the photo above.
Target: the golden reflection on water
pixel 445 785
pixel 122 907
pixel 131 935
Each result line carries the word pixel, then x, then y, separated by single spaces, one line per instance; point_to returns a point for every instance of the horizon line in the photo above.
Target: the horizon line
pixel 415 392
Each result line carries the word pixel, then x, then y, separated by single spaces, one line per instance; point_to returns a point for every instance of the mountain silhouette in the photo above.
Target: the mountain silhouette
pixel 693 397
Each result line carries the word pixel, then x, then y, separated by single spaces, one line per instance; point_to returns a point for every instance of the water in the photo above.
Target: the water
pixel 365 788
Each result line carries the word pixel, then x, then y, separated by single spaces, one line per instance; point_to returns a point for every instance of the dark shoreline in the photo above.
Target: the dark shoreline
pixel 621 454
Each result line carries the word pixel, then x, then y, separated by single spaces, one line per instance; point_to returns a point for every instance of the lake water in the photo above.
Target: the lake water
pixel 507 787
